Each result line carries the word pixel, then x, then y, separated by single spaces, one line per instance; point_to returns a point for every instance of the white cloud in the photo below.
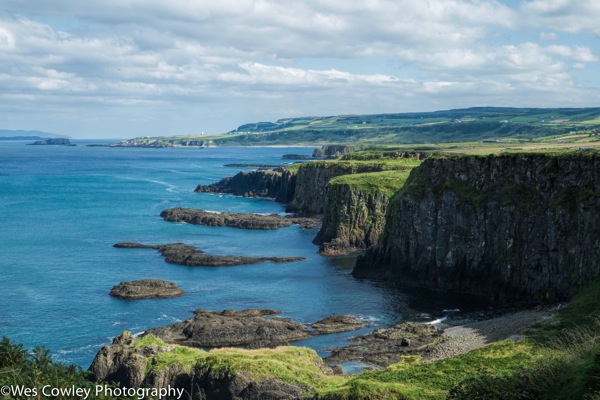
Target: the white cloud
pixel 152 56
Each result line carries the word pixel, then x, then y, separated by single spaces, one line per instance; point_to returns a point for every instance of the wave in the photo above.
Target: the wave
pixel 436 321
pixel 170 187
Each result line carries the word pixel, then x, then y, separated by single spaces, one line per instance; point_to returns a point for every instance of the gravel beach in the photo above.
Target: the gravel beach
pixel 461 339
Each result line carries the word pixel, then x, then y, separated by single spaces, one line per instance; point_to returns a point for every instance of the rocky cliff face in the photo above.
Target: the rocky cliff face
pixel 353 220
pixel 334 151
pixel 276 183
pixel 515 228
pixel 310 194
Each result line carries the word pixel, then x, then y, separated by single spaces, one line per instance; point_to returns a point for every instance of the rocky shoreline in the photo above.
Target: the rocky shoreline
pixel 306 192
pixel 136 362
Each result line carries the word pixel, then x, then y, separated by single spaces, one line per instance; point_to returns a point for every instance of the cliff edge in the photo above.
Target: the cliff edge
pixel 515 228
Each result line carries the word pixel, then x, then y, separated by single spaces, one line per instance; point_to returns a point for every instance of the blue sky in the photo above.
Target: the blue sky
pixel 125 68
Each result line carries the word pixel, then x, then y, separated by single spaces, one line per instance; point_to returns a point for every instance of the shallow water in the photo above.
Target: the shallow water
pixel 63 208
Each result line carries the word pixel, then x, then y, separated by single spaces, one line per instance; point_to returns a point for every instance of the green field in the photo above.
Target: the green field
pixel 440 127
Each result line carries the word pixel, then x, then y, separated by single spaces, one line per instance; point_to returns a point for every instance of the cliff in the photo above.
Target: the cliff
pixel 514 228
pixel 354 215
pixel 277 183
pixel 335 151
pixel 351 193
pixel 310 193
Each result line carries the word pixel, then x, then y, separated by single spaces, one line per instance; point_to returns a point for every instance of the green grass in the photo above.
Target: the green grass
pixel 458 126
pixel 434 380
pixel 385 183
pixel 297 365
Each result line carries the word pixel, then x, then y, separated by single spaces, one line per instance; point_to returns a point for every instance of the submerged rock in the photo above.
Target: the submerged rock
pixel 235 220
pixel 183 254
pixel 146 289
pixel 246 328
pixel 338 323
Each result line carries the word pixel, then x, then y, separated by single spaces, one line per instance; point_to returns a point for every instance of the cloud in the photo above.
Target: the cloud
pixel 253 57
pixel 572 16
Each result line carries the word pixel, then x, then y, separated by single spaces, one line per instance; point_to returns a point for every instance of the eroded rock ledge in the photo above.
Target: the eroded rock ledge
pixel 387 346
pixel 236 220
pixel 183 254
pixel 248 328
pixel 146 289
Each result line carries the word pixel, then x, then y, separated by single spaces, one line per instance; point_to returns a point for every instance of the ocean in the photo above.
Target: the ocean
pixel 63 208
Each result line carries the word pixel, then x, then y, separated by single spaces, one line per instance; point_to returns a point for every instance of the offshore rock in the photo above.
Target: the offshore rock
pixel 337 323
pixel 236 220
pixel 246 328
pixel 183 254
pixel 519 228
pixel 277 183
pixel 146 289
pixel 53 142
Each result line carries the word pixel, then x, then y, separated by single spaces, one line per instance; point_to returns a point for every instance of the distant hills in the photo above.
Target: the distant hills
pixel 7 134
pixel 448 126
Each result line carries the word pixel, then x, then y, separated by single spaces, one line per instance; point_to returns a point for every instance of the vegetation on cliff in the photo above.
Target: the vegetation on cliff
pixel 524 224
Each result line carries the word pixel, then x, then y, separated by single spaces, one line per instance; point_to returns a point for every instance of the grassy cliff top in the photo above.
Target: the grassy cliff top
pixel 385 183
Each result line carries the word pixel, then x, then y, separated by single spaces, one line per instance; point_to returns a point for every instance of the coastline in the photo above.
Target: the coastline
pixel 461 339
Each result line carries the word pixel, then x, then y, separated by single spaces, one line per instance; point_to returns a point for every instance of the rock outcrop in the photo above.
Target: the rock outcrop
pixel 146 289
pixel 387 346
pixel 187 375
pixel 335 151
pixel 236 220
pixel 183 254
pixel 514 228
pixel 246 328
pixel 277 183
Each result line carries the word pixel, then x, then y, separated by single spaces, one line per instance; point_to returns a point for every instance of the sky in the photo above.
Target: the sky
pixel 127 68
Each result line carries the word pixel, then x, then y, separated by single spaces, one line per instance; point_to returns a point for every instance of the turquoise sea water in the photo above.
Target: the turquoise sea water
pixel 63 208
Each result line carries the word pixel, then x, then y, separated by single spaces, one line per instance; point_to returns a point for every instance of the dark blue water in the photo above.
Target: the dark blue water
pixel 63 208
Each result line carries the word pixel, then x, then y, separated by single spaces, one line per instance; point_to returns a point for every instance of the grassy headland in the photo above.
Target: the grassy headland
pixel 450 126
